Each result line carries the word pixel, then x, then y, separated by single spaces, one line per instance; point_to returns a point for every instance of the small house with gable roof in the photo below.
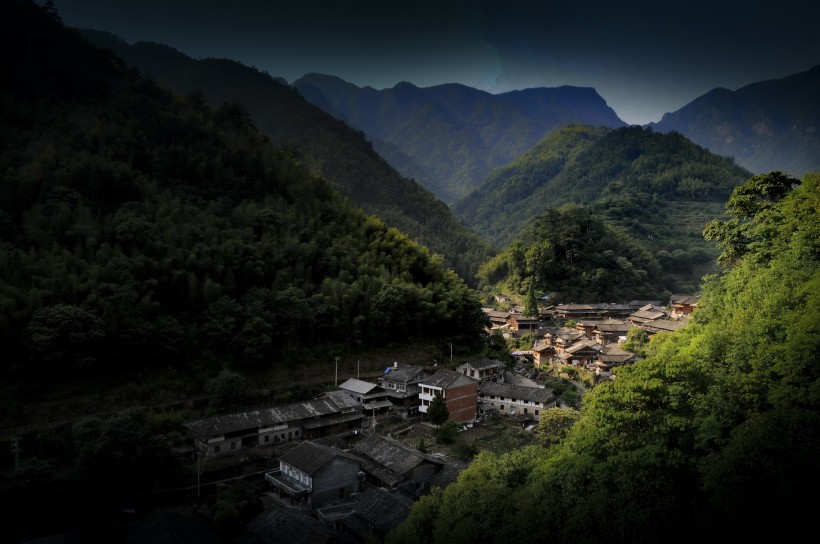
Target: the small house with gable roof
pixel 484 369
pixel 316 475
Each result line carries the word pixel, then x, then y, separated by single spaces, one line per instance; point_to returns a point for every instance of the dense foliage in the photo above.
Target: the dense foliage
pixel 139 228
pixel 644 199
pixel 714 437
pixel 322 143
pixel 629 175
pixel 575 256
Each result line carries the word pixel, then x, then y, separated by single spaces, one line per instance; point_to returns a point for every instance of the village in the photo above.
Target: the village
pixel 344 462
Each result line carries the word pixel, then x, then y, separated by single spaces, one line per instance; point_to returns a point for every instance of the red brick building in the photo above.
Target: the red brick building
pixel 460 394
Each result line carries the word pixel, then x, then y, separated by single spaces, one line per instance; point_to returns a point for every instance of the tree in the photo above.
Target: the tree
pixel 437 412
pixel 554 424
pixel 750 205
pixel 531 309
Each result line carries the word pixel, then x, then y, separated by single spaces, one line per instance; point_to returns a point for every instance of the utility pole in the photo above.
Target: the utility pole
pixel 357 369
pixel 336 383
pixel 451 352
pixel 15 449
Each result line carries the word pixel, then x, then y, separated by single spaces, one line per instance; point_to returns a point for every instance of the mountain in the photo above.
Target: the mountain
pixel 596 196
pixel 323 143
pixel 132 219
pixel 449 137
pixel 765 126
pixel 627 172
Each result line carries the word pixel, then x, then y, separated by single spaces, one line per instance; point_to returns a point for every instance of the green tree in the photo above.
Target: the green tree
pixel 437 412
pixel 531 307
pixel 553 425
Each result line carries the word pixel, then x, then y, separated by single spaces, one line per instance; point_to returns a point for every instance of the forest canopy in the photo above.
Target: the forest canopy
pixel 714 437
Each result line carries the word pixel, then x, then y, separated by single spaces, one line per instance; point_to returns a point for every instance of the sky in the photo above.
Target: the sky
pixel 645 58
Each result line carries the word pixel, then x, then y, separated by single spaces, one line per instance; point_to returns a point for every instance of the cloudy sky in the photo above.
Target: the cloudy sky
pixel 643 57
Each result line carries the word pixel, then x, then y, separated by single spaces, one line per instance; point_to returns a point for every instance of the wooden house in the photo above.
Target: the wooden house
pixel 402 385
pixel 335 412
pixel 484 369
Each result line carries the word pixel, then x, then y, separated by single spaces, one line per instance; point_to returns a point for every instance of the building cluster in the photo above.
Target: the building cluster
pixel 600 330
pixel 318 488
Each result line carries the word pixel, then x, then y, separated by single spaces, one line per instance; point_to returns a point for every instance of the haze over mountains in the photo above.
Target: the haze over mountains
pixel 450 136
pixel 770 125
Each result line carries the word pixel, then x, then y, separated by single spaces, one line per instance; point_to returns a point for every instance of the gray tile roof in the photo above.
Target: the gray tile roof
pixel 311 456
pixel 334 402
pixel 483 364
pixel 447 378
pixel 405 374
pixel 358 386
pixel 521 392
pixel 391 454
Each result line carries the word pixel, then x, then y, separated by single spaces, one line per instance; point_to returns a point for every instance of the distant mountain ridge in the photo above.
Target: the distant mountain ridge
pixel 322 142
pixel 765 126
pixel 450 136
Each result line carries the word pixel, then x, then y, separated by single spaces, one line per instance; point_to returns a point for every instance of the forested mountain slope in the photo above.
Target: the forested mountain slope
pixel 627 173
pixel 714 437
pixel 324 144
pixel 450 136
pixel 143 229
pixel 765 126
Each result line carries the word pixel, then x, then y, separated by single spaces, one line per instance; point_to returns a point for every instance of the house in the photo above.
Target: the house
pixel 610 357
pixel 316 475
pixel 389 463
pixel 581 353
pixel 562 339
pixel 459 391
pixel 682 306
pixel 542 352
pixel 372 397
pixel 498 318
pixel 522 324
pixel 402 385
pixel 647 313
pixel 661 325
pixel 609 331
pixel 279 525
pixel 591 311
pixel 514 400
pixel 373 514
pixel 336 412
pixel 484 369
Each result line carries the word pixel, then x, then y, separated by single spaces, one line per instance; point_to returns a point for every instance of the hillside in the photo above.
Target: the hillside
pixel 765 126
pixel 713 438
pixel 324 144
pixel 652 191
pixel 143 230
pixel 450 136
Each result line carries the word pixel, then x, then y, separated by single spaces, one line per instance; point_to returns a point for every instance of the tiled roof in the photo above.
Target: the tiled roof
pixel 311 456
pixel 533 394
pixel 483 364
pixel 404 374
pixel 358 386
pixel 447 378
pixel 390 454
pixel 334 402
